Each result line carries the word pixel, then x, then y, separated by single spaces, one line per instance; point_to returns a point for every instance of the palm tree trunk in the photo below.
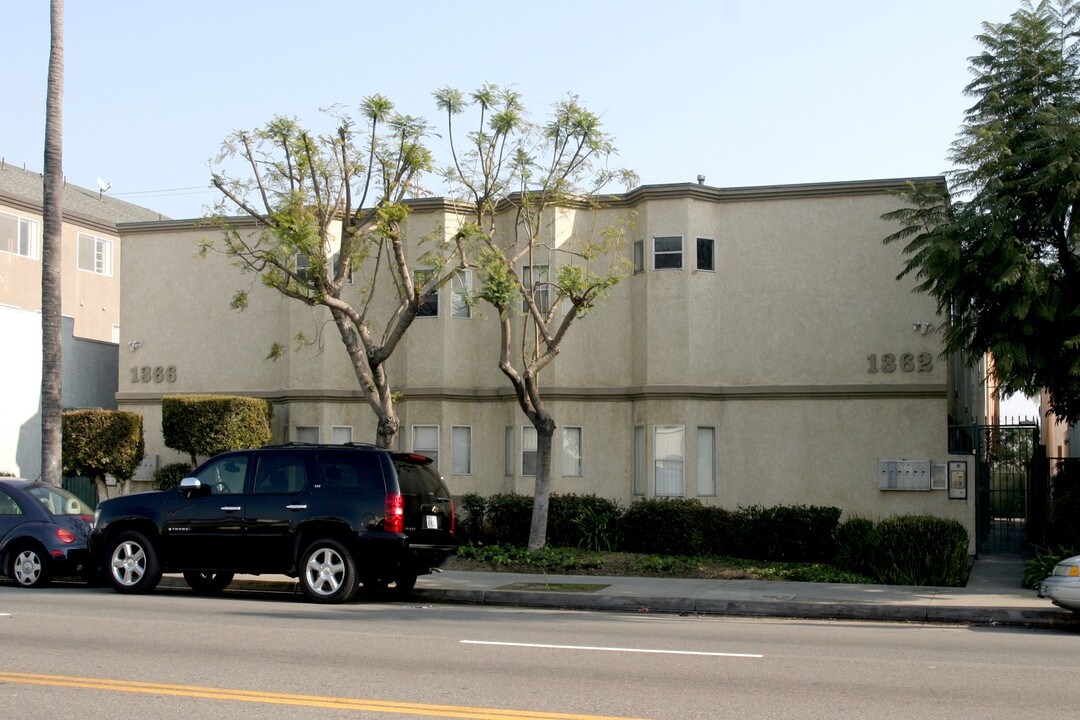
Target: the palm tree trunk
pixel 52 212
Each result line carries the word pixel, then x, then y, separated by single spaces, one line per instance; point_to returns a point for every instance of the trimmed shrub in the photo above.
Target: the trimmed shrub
pixel 169 476
pixel 509 516
pixel 796 533
pixel 97 443
pixel 211 424
pixel 920 550
pixel 1063 518
pixel 674 526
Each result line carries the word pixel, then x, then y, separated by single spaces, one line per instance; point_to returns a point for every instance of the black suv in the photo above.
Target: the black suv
pixel 333 515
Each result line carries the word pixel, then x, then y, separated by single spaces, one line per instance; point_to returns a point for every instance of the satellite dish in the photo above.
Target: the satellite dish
pixel 103 186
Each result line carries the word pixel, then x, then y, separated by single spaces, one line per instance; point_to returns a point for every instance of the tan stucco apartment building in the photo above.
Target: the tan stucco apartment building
pixel 90 305
pixel 760 350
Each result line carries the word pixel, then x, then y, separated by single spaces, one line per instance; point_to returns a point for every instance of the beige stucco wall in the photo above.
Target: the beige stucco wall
pixel 772 349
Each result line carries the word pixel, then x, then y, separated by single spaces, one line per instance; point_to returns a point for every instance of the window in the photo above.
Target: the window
pixel 116 334
pixel 640 487
pixel 706 256
pixel 706 461
pixel 461 450
pixel 225 476
pixel 18 235
pixel 667 253
pixel 425 441
pixel 302 267
pixel 571 452
pixel 528 450
pixel 421 279
pixel 639 256
pixel 95 254
pixel 460 287
pixel 8 506
pixel 508 451
pixel 307 434
pixel 281 474
pixel 668 460
pixel 535 278
pixel 341 434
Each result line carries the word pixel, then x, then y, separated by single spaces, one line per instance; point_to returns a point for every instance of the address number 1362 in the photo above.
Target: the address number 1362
pixel 904 362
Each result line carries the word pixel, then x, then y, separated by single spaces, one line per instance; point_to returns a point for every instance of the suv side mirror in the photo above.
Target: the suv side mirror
pixel 193 487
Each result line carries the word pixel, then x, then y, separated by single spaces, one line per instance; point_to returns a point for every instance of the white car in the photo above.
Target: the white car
pixel 1063 587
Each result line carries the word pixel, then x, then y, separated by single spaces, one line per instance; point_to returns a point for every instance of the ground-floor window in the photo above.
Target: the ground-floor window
pixel 341 434
pixel 461 450
pixel 571 451
pixel 706 461
pixel 307 434
pixel 528 450
pixel 425 441
pixel 668 460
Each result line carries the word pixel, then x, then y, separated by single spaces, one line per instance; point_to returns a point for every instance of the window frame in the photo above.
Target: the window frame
pixel 657 460
pixel 712 254
pixel 666 253
pixel 103 261
pixel 578 471
pixel 706 476
pixel 535 442
pixel 334 428
pixel 455 468
pixel 32 237
pixel 427 450
pixel 298 428
pixel 542 295
pixel 459 305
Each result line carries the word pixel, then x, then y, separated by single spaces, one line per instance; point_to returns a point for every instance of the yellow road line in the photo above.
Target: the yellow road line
pixel 383 706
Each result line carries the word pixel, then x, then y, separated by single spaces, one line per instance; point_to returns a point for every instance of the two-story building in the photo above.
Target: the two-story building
pixel 90 300
pixel 760 350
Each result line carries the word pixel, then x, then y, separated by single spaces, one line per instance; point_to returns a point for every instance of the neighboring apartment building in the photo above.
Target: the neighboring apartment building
pixel 761 352
pixel 90 299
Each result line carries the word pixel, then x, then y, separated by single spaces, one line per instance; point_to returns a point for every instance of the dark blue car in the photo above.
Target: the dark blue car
pixel 43 532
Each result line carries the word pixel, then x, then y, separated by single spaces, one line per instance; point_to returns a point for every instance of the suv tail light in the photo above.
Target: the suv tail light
pixel 395 513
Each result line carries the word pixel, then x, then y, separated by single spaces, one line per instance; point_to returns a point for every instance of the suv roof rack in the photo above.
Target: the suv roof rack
pixel 299 443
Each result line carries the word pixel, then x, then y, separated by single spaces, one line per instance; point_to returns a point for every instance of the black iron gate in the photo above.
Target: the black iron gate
pixel 1011 475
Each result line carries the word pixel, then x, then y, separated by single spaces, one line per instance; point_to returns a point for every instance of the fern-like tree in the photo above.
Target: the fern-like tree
pixel 327 206
pixel 1000 253
pixel 516 176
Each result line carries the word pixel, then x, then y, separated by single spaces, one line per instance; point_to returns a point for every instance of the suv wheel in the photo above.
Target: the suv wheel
pixel 327 572
pixel 208 583
pixel 29 568
pixel 133 563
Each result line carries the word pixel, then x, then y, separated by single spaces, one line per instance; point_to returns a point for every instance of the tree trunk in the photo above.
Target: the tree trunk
pixel 52 212
pixel 545 432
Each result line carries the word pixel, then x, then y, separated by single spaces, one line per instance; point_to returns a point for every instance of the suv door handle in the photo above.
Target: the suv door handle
pixel 296 507
pixel 231 508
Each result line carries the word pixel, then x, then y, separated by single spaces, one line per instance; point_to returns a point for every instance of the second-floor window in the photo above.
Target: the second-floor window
pixel 19 235
pixel 95 254
pixel 535 280
pixel 667 253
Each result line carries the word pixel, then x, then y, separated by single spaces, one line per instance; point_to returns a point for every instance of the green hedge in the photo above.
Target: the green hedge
pixel 786 533
pixel 169 476
pixel 210 424
pixel 919 550
pixel 97 443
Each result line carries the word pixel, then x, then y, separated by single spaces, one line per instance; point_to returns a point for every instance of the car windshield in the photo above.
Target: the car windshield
pixel 58 501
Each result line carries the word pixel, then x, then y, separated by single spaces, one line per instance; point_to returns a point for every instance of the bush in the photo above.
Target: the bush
pixel 920 550
pixel 854 545
pixel 797 533
pixel 97 443
pixel 1042 565
pixel 509 516
pixel 585 521
pixel 169 476
pixel 211 424
pixel 1063 519
pixel 674 526
pixel 472 517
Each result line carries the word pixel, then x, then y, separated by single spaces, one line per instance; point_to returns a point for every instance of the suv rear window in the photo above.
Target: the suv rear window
pixel 418 478
pixel 351 471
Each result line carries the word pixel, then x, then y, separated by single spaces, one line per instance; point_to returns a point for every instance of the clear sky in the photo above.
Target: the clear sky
pixel 745 92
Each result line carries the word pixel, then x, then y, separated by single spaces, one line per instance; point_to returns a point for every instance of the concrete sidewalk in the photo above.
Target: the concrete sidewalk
pixel 993 596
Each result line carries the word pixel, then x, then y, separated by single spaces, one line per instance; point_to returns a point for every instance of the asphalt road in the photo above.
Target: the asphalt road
pixel 89 653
